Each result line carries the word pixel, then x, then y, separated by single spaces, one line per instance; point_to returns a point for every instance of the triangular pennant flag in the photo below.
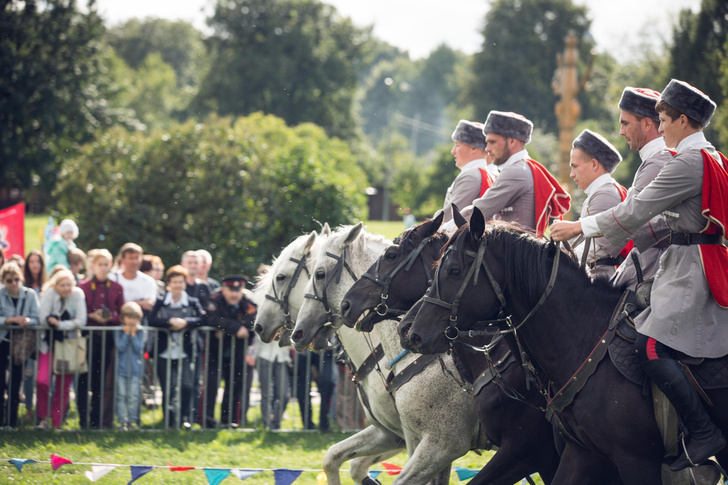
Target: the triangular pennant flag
pixel 243 474
pixel 216 475
pixel 179 468
pixel 373 474
pixel 392 469
pixel 137 472
pixel 321 478
pixel 98 471
pixel 19 462
pixel 464 473
pixel 58 461
pixel 284 476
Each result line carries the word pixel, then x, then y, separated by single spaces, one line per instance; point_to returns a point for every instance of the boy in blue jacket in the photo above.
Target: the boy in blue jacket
pixel 129 358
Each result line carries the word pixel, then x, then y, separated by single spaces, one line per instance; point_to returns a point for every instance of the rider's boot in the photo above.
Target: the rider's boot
pixel 704 439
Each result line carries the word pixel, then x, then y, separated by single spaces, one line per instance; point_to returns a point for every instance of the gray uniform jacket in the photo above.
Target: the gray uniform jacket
pixel 465 188
pixel 603 197
pixel 511 198
pixel 683 314
pixel 654 157
pixel 27 302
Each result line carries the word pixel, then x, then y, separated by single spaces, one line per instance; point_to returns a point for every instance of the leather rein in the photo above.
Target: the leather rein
pixel 283 300
pixel 382 309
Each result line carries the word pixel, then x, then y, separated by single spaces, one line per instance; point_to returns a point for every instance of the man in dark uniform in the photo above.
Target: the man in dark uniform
pixel 233 315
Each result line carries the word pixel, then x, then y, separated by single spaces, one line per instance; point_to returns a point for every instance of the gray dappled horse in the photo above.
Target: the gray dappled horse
pixel 438 419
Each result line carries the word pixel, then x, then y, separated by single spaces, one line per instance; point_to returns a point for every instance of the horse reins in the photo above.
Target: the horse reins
pixel 382 309
pixel 283 301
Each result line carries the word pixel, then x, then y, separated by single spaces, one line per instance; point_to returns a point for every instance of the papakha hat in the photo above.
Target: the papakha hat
pixel 511 125
pixel 640 102
pixel 470 133
pixel 689 100
pixel 595 145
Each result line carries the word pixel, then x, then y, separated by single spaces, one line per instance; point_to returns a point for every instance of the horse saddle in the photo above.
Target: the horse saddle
pixel 707 373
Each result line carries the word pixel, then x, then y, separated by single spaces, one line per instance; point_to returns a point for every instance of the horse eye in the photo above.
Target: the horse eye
pixel 454 272
pixel 391 254
pixel 280 277
pixel 320 274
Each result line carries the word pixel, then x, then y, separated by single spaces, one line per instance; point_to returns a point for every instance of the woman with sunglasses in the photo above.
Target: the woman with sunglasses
pixel 18 308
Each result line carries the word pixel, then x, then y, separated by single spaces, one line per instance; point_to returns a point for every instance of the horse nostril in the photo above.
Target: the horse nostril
pixel 297 336
pixel 258 328
pixel 415 339
pixel 345 306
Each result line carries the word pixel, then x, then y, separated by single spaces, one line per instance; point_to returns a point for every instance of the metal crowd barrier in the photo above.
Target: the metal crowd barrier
pixel 303 388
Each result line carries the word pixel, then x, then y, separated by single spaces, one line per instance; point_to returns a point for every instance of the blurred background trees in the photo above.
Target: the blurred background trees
pixel 283 113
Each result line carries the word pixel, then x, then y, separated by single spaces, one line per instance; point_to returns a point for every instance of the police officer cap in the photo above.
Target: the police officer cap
pixel 235 281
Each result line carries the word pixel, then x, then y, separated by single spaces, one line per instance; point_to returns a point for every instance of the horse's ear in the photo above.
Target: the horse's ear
pixel 430 227
pixel 309 242
pixel 477 224
pixel 353 234
pixel 458 217
pixel 326 230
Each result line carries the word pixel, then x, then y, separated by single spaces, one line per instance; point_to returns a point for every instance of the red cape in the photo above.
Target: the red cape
pixel 552 201
pixel 714 257
pixel 486 181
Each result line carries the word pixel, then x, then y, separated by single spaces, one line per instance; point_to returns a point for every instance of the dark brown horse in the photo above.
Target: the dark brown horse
pixel 501 274
pixel 525 439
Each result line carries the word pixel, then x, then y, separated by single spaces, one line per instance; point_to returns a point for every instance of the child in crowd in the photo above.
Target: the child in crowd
pixel 129 358
pixel 60 245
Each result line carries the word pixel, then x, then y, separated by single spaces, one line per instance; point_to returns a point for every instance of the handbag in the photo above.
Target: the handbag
pixel 69 355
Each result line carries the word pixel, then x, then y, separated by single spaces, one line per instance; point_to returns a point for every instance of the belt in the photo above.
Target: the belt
pixel 664 243
pixel 616 261
pixel 690 238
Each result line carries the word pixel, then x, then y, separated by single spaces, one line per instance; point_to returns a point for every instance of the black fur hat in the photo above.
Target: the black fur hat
pixel 640 102
pixel 470 133
pixel 595 145
pixel 511 125
pixel 688 100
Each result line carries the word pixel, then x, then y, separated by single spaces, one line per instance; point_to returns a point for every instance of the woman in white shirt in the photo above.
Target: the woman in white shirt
pixel 63 308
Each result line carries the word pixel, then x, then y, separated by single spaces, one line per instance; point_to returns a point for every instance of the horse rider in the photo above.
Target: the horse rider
pixel 593 160
pixel 524 192
pixel 690 291
pixel 638 125
pixel 476 174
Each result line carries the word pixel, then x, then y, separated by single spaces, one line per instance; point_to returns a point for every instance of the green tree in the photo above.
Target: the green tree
pixel 177 42
pixel 514 69
pixel 242 190
pixel 52 86
pixel 295 59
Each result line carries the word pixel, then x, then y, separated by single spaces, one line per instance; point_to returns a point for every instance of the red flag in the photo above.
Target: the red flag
pixel 179 468
pixel 58 461
pixel 391 468
pixel 12 230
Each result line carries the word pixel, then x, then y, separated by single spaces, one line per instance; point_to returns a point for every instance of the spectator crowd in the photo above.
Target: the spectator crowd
pixel 123 332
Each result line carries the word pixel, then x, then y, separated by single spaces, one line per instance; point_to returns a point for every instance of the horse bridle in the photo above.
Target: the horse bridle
pixel 283 301
pixel 452 333
pixel 382 309
pixel 341 264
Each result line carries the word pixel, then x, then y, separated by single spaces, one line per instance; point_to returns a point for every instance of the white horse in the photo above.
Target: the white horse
pixel 283 287
pixel 438 418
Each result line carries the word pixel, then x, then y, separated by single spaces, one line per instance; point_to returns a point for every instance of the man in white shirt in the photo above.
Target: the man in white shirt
pixel 137 286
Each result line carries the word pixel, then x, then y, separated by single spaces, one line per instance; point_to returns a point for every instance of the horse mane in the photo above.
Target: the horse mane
pixel 264 282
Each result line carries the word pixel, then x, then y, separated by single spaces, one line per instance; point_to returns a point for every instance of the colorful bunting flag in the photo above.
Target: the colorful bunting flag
pixel 392 469
pixel 284 476
pixel 321 478
pixel 216 475
pixel 58 461
pixel 465 473
pixel 138 471
pixel 98 471
pixel 19 462
pixel 373 474
pixel 243 474
pixel 179 468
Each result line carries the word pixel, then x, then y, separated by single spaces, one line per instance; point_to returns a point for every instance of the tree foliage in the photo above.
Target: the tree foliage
pixel 241 190
pixel 295 59
pixel 521 38
pixel 52 86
